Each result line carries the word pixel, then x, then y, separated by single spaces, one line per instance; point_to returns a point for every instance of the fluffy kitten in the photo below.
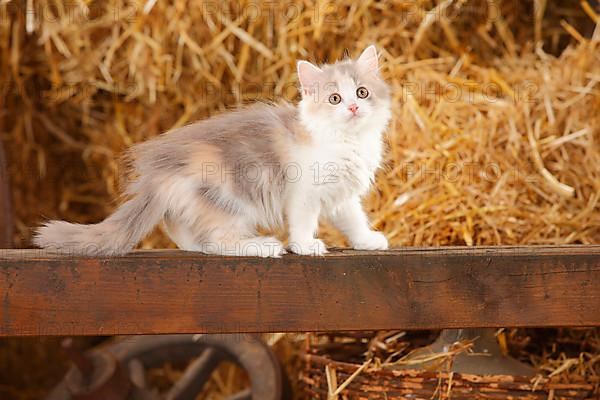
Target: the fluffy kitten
pixel 214 183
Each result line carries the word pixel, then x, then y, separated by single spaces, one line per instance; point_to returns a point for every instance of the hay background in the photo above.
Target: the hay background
pixel 81 88
pixel 80 85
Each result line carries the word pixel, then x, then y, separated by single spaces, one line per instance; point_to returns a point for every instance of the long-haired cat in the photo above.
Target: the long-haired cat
pixel 216 182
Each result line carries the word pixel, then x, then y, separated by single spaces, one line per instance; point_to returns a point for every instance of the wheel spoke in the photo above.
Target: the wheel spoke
pixel 245 394
pixel 195 376
pixel 137 373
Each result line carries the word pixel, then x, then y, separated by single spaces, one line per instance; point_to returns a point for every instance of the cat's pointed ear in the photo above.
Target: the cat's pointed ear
pixel 308 75
pixel 368 60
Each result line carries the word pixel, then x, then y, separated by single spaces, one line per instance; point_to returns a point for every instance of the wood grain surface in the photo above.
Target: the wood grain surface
pixel 170 291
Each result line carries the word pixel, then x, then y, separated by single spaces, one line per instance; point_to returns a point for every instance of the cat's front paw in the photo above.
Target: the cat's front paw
pixel 311 247
pixel 370 240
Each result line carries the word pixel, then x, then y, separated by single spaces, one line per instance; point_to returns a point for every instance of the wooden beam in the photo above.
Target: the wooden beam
pixel 172 291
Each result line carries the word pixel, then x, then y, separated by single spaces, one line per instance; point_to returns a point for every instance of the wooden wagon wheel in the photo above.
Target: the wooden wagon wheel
pixel 117 371
pixel 6 213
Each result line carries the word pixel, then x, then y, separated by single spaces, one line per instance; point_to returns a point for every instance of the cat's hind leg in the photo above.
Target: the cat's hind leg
pixel 228 236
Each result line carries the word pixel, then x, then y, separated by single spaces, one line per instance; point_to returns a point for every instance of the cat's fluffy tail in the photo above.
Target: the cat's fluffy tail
pixel 117 234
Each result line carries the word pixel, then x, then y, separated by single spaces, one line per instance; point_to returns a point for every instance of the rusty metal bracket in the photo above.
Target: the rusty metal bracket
pixel 485 357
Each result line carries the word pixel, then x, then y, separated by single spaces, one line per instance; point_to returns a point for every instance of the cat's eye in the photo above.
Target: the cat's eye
pixel 335 98
pixel 362 92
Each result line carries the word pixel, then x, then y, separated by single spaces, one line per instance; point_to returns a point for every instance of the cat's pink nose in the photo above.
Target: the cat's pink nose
pixel 353 108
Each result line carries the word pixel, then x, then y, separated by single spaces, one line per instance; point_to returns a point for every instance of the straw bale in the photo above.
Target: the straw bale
pixel 494 139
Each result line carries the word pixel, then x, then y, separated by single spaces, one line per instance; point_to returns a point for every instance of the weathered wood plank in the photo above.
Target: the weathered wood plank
pixel 413 288
pixel 6 213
